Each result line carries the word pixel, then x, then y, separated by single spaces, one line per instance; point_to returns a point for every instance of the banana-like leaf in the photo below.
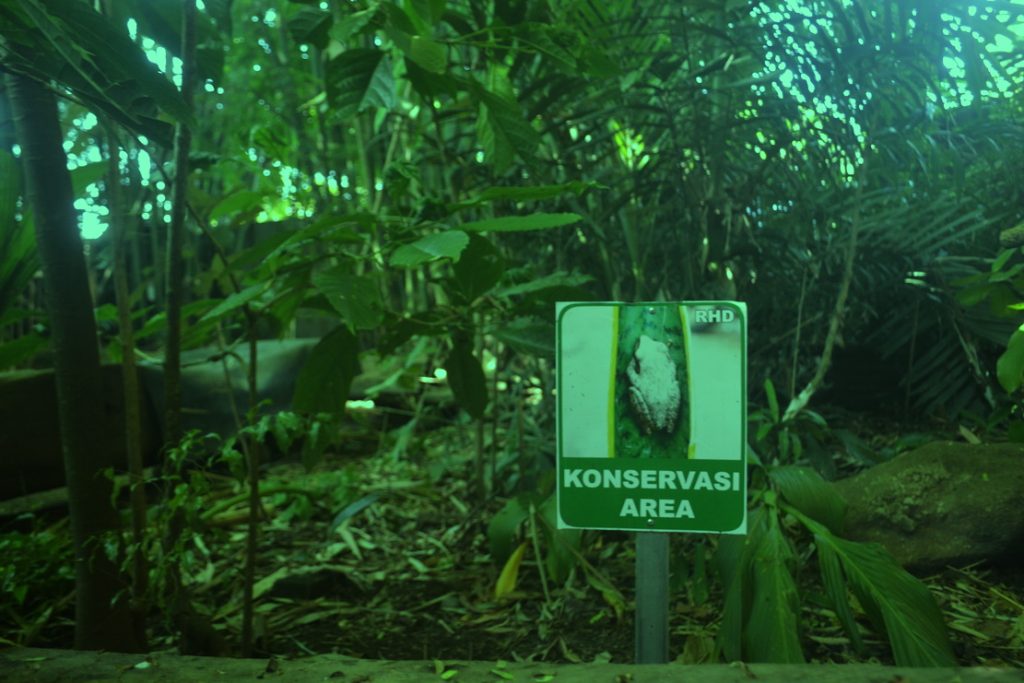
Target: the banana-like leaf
pixel 835 586
pixel 771 633
pixel 732 560
pixel 810 494
pixel 897 603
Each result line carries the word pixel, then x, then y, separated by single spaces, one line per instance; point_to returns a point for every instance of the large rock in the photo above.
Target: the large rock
pixel 943 504
pixel 30 455
pixel 30 446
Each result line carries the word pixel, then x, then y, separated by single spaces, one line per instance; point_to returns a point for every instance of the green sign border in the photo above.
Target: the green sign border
pixel 714 511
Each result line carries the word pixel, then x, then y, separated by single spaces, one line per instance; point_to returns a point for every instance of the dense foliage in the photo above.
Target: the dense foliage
pixel 417 182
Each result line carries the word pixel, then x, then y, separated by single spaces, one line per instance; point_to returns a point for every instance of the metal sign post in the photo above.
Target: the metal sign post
pixel 652 432
pixel 651 598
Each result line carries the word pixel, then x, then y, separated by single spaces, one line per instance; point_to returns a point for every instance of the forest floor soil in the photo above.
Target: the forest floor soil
pixel 376 558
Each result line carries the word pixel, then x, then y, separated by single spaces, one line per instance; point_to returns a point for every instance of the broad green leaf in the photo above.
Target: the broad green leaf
pixel 530 336
pixel 428 11
pixel 502 129
pixel 22 349
pixel 771 633
pixel 428 84
pixel 503 529
pixel 310 25
pixel 355 297
pixel 466 379
pixel 810 494
pixel 835 586
pixel 318 438
pixel 429 54
pixel 1010 366
pixel 323 383
pixel 510 573
pixel 478 269
pixel 243 201
pixel 262 252
pixel 534 221
pixel 352 24
pixel 359 79
pixel 1001 260
pixel 234 301
pixel 897 603
pixel 430 248
pixel 330 227
pixel 498 149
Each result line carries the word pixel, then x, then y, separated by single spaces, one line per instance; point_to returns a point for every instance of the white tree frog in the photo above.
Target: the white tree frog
pixel 653 385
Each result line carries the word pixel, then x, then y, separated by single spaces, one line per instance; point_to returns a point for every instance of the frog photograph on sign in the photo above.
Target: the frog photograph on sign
pixel 651 418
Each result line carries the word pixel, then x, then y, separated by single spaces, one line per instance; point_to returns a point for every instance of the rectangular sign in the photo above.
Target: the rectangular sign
pixel 652 416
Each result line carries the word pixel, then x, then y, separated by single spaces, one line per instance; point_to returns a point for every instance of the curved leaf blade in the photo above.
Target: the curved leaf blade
pixel 810 494
pixel 530 336
pixel 898 604
pixel 356 298
pixel 466 379
pixel 358 79
pixel 510 573
pixel 835 586
pixel 323 383
pixel 431 248
pixel 534 221
pixel 771 633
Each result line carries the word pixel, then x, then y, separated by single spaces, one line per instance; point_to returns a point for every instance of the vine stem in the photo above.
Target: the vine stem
pixel 800 401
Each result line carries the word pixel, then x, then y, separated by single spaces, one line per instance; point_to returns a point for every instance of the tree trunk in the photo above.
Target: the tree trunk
pixel 102 616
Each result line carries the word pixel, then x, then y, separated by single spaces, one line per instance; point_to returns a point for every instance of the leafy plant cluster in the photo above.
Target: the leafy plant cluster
pixel 422 180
